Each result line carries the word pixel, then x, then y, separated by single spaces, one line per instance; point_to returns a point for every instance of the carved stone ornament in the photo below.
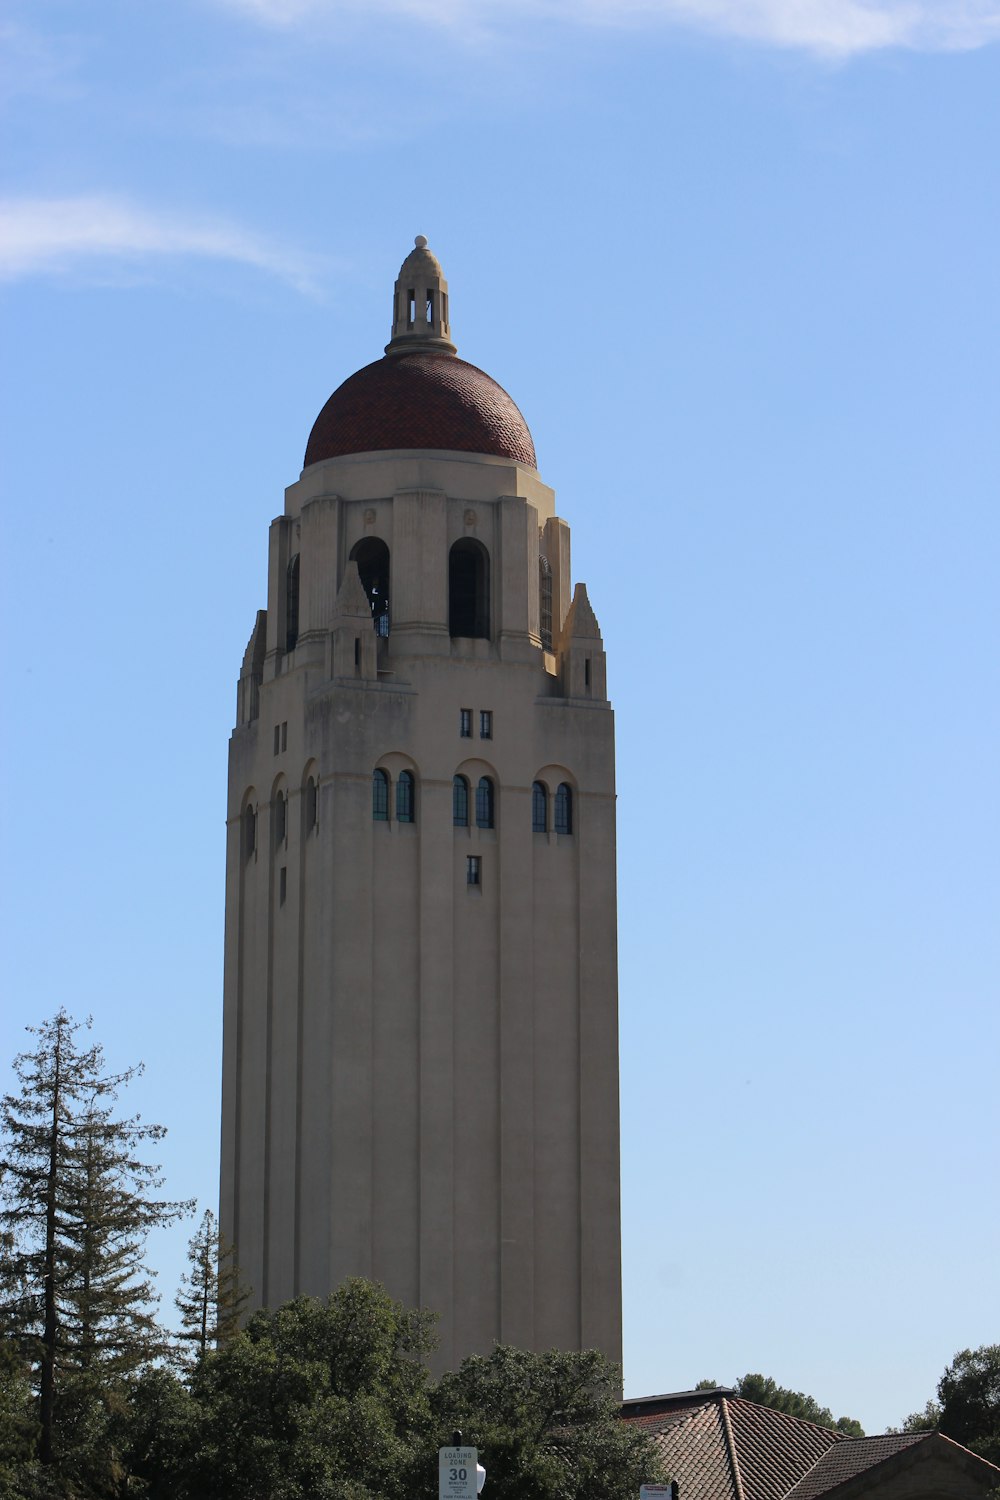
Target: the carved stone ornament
pixel 470 518
pixel 369 517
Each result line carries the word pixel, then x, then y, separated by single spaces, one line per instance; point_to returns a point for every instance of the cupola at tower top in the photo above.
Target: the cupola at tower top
pixel 420 304
pixel 420 395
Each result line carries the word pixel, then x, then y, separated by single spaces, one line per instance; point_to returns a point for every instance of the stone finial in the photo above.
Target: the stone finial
pixel 581 622
pixel 420 304
pixel 352 601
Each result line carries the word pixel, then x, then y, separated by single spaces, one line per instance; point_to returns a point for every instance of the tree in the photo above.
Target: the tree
pixel 969 1395
pixel 315 1401
pixel 927 1420
pixel 548 1426
pixel 76 1204
pixel 211 1296
pixel 767 1392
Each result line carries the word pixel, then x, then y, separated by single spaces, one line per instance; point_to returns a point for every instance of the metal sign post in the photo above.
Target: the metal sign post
pixel 457 1473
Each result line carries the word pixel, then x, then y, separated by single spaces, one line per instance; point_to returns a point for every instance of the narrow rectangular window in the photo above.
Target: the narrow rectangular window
pixel 473 870
pixel 284 735
pixel 357 651
pixel 586 672
pixel 277 738
pixel 486 724
pixel 282 885
pixel 430 307
pixel 411 305
pixel 465 723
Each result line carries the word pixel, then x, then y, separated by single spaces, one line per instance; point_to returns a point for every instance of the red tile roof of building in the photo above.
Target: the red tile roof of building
pixel 720 1447
pixel 851 1457
pixel 420 399
pixel 839 1467
pixel 717 1446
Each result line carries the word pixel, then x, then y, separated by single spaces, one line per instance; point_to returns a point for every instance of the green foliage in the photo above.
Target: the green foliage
pixel 967 1408
pixel 211 1296
pixel 18 1427
pixel 318 1399
pixel 76 1203
pixel 548 1426
pixel 969 1394
pixel 927 1420
pixel 157 1435
pixel 767 1392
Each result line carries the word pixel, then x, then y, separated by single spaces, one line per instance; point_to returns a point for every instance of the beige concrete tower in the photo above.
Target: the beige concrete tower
pixel 420 1077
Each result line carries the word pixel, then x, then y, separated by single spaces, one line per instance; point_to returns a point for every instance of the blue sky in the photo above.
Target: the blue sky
pixel 736 260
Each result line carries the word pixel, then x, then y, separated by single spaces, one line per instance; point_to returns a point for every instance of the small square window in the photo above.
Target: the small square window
pixel 486 724
pixel 474 870
pixel 465 723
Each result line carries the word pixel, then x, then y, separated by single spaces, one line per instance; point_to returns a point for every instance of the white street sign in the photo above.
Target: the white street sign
pixel 655 1491
pixel 457 1473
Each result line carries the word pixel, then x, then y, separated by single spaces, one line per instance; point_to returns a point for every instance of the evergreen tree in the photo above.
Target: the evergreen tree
pixel 75 1205
pixel 212 1295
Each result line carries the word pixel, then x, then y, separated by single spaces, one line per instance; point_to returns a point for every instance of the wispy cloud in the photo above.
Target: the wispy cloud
pixel 56 236
pixel 834 28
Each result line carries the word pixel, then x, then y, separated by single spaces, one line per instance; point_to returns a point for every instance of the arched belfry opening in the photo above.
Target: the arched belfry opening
pixel 469 589
pixel 372 558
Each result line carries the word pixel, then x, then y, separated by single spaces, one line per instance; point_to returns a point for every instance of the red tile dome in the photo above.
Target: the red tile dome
pixel 420 398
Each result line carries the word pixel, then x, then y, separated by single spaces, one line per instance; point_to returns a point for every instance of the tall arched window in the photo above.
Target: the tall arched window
pixel 484 803
pixel 311 807
pixel 292 604
pixel 372 558
pixel 469 589
pixel 280 819
pixel 405 798
pixel 563 820
pixel 460 802
pixel 249 831
pixel 539 807
pixel 380 796
pixel 545 602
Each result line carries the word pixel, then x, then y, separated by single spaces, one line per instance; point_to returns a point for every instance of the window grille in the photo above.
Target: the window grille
pixel 405 797
pixel 484 803
pixel 563 819
pixel 465 723
pixel 545 602
pixel 460 802
pixel 474 870
pixel 539 807
pixel 380 796
pixel 486 724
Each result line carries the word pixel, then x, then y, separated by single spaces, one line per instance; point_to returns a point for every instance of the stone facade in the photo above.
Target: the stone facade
pixel 420 1060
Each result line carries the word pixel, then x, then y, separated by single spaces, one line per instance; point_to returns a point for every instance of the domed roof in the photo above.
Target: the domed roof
pixel 421 395
pixel 420 398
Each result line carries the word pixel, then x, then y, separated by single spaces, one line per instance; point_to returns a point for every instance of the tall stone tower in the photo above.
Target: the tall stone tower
pixel 420 1079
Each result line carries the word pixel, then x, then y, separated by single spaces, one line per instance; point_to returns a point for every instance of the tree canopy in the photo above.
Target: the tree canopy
pixel 211 1295
pixel 76 1203
pixel 967 1408
pixel 767 1392
pixel 549 1425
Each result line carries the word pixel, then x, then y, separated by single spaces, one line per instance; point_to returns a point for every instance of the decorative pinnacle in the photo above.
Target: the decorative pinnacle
pixel 420 304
